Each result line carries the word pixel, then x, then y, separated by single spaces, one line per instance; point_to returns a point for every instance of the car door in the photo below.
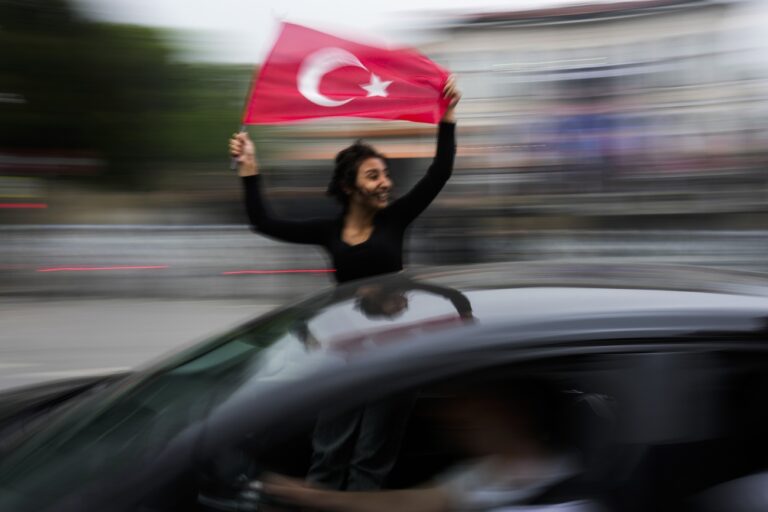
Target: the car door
pixel 657 421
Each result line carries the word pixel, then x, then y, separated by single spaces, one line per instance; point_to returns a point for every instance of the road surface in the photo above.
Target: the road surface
pixel 46 340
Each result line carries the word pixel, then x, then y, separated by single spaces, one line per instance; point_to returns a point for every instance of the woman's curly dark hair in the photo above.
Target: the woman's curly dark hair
pixel 348 160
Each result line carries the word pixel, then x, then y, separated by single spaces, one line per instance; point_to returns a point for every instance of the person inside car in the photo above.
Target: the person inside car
pixel 519 438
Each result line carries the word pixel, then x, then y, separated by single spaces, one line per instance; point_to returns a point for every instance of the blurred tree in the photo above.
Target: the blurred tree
pixel 115 91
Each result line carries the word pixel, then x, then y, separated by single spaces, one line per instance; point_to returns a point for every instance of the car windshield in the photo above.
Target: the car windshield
pixel 131 423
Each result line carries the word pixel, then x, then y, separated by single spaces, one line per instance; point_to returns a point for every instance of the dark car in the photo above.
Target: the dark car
pixel 667 368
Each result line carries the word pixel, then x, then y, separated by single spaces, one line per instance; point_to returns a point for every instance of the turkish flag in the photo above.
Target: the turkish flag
pixel 309 74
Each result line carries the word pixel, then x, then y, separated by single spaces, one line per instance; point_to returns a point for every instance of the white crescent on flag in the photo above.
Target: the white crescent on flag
pixel 316 66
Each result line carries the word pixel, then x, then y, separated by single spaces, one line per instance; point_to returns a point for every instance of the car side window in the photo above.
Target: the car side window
pixel 449 435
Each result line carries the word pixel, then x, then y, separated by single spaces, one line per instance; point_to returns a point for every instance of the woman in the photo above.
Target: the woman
pixel 356 450
pixel 367 239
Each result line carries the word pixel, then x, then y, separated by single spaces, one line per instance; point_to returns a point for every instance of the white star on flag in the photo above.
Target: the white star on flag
pixel 376 87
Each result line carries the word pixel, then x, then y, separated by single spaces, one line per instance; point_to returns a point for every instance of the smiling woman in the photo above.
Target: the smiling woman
pixel 367 238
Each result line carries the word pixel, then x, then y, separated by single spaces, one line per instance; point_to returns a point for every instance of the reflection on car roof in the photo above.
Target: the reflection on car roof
pixel 402 305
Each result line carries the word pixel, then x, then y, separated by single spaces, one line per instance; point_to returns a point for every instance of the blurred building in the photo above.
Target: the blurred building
pixel 578 110
pixel 611 94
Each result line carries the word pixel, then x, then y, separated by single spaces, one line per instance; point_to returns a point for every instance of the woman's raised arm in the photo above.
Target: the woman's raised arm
pixel 261 218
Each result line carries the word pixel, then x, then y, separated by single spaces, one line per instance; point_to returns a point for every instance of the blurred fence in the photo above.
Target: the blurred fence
pixel 207 262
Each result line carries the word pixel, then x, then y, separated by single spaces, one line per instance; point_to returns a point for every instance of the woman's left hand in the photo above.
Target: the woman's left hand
pixel 453 95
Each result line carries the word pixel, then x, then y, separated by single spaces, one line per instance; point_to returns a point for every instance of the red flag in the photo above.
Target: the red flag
pixel 309 74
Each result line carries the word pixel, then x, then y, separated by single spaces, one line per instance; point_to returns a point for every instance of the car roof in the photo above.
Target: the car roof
pixel 597 274
pixel 527 292
pixel 523 294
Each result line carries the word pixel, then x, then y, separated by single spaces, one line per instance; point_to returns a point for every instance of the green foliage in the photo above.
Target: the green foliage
pixel 113 91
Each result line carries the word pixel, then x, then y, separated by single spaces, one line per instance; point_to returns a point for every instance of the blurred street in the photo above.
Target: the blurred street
pixel 629 132
pixel 49 340
pixel 231 263
pixel 68 308
pixel 162 262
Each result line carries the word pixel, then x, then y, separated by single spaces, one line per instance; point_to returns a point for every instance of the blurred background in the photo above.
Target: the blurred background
pixel 617 130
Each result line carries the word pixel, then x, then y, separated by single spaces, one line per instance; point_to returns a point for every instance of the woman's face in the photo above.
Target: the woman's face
pixel 372 185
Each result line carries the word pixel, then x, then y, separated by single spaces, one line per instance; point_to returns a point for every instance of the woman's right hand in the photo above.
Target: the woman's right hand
pixel 241 148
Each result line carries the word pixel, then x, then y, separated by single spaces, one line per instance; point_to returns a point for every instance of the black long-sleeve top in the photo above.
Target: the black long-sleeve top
pixel 383 251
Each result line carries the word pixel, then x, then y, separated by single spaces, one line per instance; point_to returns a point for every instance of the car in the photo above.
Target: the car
pixel 666 367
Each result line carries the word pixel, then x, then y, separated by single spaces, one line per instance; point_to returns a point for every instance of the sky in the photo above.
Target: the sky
pixel 243 30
